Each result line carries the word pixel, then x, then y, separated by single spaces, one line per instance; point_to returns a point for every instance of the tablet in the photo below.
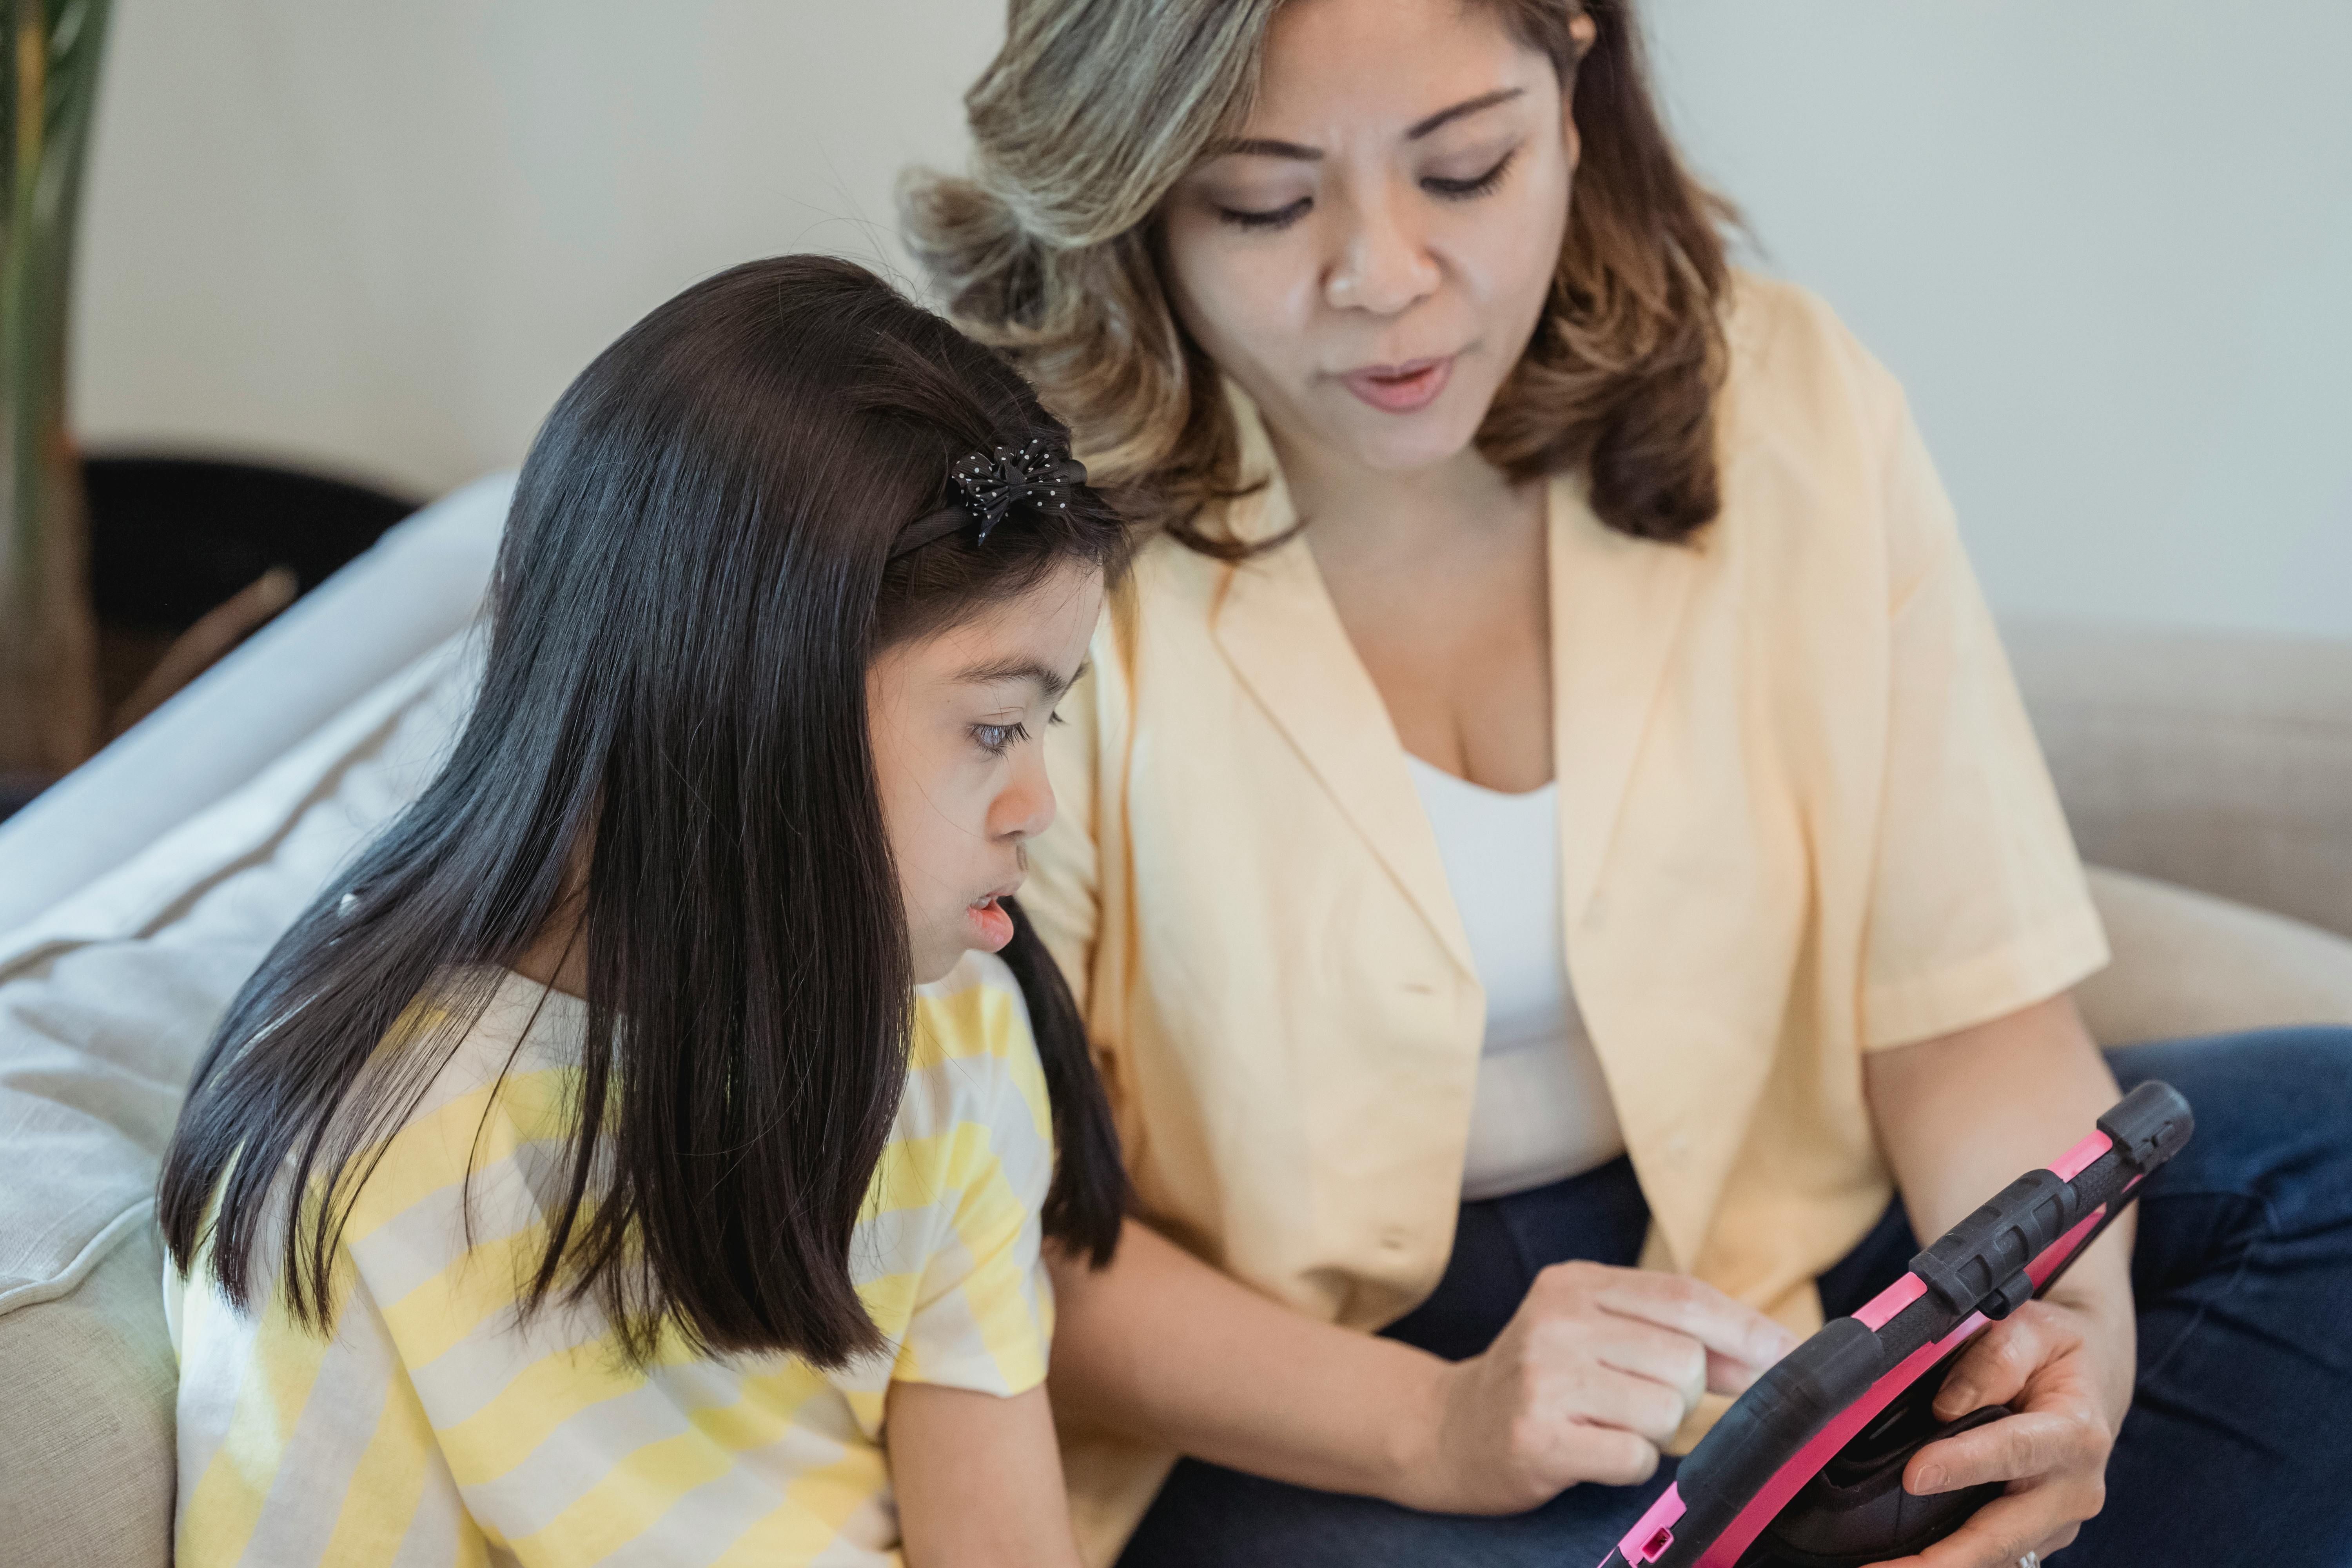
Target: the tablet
pixel 1806 1469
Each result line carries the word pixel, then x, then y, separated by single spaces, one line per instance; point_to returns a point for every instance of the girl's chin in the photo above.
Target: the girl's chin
pixel 941 946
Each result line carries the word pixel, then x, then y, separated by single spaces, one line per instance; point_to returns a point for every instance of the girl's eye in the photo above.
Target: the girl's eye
pixel 998 738
pixel 1274 219
pixel 1459 190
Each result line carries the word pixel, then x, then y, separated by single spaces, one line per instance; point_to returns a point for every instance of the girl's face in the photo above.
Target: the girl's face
pixel 1370 255
pixel 959 721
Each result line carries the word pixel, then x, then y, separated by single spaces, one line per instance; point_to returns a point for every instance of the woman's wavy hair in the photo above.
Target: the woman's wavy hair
pixel 1047 251
pixel 696 574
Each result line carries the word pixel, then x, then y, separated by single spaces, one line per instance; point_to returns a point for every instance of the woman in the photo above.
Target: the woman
pixel 649 1213
pixel 1551 800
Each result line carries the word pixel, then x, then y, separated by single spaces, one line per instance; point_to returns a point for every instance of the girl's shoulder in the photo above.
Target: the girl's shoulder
pixel 486 1031
pixel 501 1091
pixel 973 1059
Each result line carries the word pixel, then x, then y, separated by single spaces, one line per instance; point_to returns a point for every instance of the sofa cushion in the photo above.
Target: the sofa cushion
pixel 2188 964
pixel 105 1003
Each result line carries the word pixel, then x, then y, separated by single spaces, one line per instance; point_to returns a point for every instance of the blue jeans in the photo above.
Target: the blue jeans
pixel 2238 1447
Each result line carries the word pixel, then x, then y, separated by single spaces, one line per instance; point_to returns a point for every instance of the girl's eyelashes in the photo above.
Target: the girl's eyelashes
pixel 1270 219
pixel 998 738
pixel 1461 190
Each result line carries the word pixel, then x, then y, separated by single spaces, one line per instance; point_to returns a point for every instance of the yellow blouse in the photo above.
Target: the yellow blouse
pixel 1802 816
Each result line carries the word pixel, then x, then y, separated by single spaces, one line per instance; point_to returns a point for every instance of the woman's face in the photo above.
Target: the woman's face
pixel 1369 256
pixel 959 723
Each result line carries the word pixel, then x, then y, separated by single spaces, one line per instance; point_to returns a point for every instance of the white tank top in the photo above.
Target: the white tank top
pixel 1542 1111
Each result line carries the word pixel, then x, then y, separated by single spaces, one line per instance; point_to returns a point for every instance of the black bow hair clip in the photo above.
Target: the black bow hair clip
pixel 988 485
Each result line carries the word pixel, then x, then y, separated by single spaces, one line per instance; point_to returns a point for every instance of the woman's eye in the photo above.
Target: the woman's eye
pixel 998 738
pixel 1455 190
pixel 1270 219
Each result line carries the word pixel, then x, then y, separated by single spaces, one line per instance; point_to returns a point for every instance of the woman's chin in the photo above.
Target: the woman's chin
pixel 1402 452
pixel 1400 444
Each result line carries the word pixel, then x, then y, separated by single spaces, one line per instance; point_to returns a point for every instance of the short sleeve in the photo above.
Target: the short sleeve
pixel 983 1315
pixel 1978 906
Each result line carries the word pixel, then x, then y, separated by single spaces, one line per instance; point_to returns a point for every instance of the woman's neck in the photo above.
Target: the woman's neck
pixel 1440 580
pixel 1355 512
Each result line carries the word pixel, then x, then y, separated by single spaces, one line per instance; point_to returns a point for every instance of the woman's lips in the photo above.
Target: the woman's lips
pixel 1400 388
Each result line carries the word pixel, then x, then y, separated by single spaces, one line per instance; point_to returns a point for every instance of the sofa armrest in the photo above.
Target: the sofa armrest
pixel 2218 762
pixel 87 1391
pixel 2189 963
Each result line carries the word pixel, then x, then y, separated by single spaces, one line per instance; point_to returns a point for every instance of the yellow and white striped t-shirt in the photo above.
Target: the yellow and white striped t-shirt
pixel 431 1429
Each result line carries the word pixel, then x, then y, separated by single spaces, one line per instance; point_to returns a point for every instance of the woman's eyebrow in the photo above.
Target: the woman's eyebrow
pixel 1267 147
pixel 1468 106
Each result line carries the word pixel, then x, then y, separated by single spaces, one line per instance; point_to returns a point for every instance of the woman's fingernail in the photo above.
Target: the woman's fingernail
pixel 1958 1398
pixel 1931 1479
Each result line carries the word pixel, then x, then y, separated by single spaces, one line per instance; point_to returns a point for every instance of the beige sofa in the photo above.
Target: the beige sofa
pixel 2218 764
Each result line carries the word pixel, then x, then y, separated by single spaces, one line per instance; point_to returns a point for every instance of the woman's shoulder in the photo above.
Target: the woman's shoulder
pixel 1823 469
pixel 1167 603
pixel 1793 361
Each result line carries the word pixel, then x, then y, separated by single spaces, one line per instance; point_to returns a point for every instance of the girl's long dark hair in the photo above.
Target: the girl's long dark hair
pixel 695 576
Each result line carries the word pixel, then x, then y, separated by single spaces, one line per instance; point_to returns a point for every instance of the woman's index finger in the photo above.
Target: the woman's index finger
pixel 1728 1326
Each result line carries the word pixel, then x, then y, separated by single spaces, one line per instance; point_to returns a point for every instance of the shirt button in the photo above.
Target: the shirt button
pixel 1678 1146
pixel 1393 1238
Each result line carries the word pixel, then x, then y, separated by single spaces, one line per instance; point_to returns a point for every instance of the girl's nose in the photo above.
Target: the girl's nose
pixel 1383 265
pixel 1026 807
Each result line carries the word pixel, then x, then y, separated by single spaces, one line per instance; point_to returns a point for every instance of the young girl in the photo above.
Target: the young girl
pixel 639 1156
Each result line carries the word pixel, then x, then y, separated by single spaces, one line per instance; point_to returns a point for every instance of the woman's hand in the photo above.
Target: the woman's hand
pixel 1587 1379
pixel 1958 1116
pixel 1586 1383
pixel 2068 1374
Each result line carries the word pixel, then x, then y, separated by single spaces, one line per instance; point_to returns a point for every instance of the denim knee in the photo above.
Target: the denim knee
pixel 2273 1113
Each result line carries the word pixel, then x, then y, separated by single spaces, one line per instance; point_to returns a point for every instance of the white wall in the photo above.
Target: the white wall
pixel 2107 244
pixel 385 236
